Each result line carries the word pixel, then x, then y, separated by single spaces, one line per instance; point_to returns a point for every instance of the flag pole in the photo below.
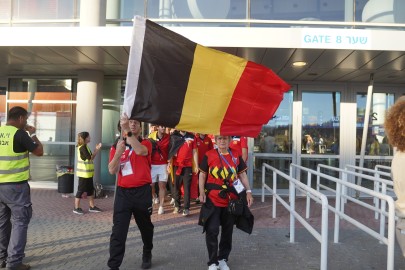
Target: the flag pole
pixel 365 127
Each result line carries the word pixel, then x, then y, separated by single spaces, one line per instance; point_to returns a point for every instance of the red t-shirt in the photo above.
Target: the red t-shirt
pixel 217 170
pixel 203 145
pixel 184 157
pixel 212 137
pixel 160 155
pixel 141 166
pixel 237 143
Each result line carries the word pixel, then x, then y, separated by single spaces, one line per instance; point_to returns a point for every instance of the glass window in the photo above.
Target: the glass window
pixel 280 163
pixel 312 163
pixel 5 9
pixel 52 112
pixel 377 142
pixel 44 9
pixel 180 9
pixel 52 123
pixel 320 123
pixel 130 8
pixel 276 135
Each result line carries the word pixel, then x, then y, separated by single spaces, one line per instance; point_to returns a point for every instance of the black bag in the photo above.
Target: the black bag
pixel 235 207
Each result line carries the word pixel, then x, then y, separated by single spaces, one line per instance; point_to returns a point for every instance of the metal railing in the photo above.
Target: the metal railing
pixel 312 193
pixel 381 211
pixel 341 195
pixel 377 185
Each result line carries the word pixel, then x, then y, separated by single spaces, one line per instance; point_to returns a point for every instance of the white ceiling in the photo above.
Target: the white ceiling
pixel 329 65
pixel 53 51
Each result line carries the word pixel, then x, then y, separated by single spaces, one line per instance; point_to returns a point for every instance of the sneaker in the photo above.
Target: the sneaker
pixel 186 212
pixel 95 209
pixel 222 265
pixel 146 262
pixel 172 202
pixel 176 210
pixel 78 211
pixel 161 210
pixel 156 200
pixel 213 267
pixel 20 266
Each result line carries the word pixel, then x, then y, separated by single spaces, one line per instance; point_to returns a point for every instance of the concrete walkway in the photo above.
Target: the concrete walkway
pixel 59 239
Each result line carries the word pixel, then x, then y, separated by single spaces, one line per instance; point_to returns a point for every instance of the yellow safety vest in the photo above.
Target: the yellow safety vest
pixel 85 168
pixel 14 167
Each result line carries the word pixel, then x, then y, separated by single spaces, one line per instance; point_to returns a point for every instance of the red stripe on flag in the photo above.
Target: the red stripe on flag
pixel 255 100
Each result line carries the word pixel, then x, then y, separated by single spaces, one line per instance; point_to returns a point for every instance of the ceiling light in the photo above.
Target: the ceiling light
pixel 299 64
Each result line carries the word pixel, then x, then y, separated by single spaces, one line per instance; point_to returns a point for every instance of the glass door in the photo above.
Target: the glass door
pixel 318 139
pixel 51 104
pixel 377 150
pixel 274 144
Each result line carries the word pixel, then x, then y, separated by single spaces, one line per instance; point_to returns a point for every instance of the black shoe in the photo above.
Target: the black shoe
pixel 146 262
pixel 20 266
pixel 3 264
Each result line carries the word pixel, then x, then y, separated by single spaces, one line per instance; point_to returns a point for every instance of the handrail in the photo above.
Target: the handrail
pixel 341 186
pixel 377 174
pixel 321 237
pixel 383 167
pixel 384 183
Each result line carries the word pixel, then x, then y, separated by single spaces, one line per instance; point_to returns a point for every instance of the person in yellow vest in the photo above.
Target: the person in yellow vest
pixel 15 199
pixel 85 172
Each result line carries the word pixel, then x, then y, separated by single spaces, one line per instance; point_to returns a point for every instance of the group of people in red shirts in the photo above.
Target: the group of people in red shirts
pixel 140 163
pixel 176 156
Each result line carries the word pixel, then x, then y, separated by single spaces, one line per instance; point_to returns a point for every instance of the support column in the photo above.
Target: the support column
pixel 111 116
pixel 93 12
pixel 113 11
pixel 89 112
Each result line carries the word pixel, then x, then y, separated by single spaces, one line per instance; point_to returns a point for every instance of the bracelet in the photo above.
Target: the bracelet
pixel 249 191
pixel 33 134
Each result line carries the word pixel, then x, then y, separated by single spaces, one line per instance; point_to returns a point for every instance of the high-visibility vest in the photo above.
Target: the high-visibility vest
pixel 85 168
pixel 14 167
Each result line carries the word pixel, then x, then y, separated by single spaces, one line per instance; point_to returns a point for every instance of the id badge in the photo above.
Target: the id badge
pixel 126 168
pixel 237 184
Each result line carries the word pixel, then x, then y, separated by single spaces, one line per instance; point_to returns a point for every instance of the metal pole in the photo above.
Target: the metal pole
pixel 263 180
pixel 365 127
pixel 274 194
pixel 324 233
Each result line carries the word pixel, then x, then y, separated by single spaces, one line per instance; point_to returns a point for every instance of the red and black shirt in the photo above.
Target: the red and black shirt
pixel 218 170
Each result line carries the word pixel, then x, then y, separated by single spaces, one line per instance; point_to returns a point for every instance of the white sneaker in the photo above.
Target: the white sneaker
pixel 176 210
pixel 213 267
pixel 172 201
pixel 222 265
pixel 155 200
pixel 161 210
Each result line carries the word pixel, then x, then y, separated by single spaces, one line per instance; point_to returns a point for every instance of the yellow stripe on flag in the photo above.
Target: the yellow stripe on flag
pixel 213 79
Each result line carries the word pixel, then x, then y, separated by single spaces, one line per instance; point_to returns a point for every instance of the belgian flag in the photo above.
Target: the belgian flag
pixel 177 83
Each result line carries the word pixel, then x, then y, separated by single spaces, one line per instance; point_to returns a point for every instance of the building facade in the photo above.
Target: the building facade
pixel 66 62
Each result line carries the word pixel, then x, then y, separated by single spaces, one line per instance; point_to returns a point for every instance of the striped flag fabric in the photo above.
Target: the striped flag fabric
pixel 177 83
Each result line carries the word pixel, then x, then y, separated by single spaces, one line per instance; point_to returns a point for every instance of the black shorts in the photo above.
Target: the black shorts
pixel 86 185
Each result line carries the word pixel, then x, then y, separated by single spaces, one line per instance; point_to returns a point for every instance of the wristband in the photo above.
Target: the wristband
pixel 249 191
pixel 33 134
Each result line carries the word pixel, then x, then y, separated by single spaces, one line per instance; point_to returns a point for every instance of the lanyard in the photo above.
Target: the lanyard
pixel 129 155
pixel 227 163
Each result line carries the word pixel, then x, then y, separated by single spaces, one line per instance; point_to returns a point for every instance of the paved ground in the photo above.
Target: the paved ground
pixel 59 239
